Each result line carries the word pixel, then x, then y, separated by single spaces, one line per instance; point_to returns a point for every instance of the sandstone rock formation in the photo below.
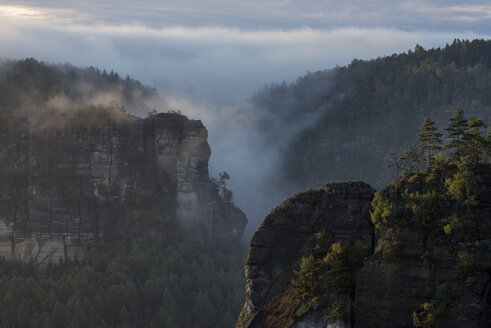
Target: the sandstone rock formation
pixel 425 265
pixel 72 182
pixel 286 235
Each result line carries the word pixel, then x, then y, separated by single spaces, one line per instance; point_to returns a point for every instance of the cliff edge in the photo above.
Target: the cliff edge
pixel 71 179
pixel 319 261
pixel 288 233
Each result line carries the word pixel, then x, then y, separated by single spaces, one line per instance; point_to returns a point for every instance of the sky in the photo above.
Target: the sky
pixel 208 47
pixel 206 57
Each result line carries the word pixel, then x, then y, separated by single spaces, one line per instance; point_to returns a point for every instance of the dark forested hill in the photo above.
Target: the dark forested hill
pixel 28 86
pixel 344 123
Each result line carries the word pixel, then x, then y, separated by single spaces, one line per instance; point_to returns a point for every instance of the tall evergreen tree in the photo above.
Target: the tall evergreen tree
pixel 475 144
pixel 456 133
pixel 430 140
pixel 412 160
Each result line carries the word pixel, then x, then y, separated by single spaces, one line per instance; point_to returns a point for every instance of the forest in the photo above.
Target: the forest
pixel 330 120
pixel 28 86
pixel 355 122
pixel 138 283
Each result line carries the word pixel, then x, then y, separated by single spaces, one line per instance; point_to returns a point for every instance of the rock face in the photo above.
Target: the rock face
pixel 66 185
pixel 389 288
pixel 287 234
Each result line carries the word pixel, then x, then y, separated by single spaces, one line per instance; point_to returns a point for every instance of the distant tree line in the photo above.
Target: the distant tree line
pixel 369 109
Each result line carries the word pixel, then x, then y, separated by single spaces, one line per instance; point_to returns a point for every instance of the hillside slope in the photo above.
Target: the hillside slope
pixel 344 123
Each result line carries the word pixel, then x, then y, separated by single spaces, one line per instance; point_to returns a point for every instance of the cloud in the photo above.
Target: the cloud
pixel 207 57
pixel 272 14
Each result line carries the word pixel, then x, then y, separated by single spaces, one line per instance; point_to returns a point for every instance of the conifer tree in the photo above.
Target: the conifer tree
pixel 412 160
pixel 475 143
pixel 456 133
pixel 430 139
pixel 305 286
pixel 461 186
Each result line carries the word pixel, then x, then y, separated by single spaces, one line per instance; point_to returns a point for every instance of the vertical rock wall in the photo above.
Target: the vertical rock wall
pixel 287 234
pixel 69 185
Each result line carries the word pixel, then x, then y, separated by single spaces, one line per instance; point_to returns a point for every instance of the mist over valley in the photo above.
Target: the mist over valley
pixel 259 164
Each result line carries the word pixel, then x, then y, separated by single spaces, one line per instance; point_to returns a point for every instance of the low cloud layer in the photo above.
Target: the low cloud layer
pixel 207 58
pixel 208 61
pixel 442 15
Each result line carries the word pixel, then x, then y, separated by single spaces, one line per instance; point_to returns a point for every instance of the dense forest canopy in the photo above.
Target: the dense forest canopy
pixel 28 87
pixel 142 283
pixel 344 123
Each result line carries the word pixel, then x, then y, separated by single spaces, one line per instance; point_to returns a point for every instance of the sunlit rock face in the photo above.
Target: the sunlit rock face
pixel 69 184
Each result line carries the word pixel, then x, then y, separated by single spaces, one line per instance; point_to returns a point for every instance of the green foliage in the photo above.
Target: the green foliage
pixel 411 159
pixel 221 183
pixel 475 144
pixel 465 260
pixel 429 139
pixel 145 285
pixel 457 226
pixel 433 314
pixel 461 186
pixel 456 132
pixel 439 169
pixel 391 247
pixel 336 312
pixel 424 206
pixel 36 84
pixel 383 213
pixel 332 272
pixel 324 239
pixel 383 104
pixel 306 283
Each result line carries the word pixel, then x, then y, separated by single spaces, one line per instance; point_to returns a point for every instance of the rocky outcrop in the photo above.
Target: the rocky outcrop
pixel 408 267
pixel 390 289
pixel 287 234
pixel 67 184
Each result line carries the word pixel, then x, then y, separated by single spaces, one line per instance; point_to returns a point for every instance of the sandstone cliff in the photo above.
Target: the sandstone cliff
pixel 73 179
pixel 408 267
pixel 289 233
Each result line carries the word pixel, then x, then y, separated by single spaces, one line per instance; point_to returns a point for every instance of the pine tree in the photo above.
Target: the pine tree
pixel 412 160
pixel 475 143
pixel 430 139
pixel 456 133
pixel 461 186
pixel 305 285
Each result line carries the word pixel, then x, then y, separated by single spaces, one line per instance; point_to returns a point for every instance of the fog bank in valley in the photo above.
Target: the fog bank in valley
pixel 209 60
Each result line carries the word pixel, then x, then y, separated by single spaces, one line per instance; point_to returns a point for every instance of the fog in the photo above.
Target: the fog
pixel 208 59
